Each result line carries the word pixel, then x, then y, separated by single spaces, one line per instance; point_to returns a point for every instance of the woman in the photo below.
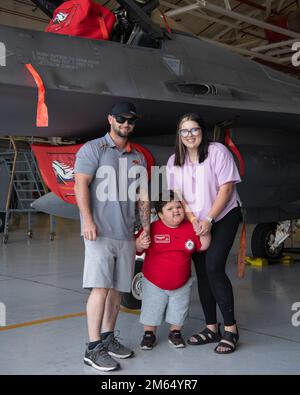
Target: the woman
pixel 205 175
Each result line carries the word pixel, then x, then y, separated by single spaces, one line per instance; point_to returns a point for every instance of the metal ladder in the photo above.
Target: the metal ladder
pixel 25 185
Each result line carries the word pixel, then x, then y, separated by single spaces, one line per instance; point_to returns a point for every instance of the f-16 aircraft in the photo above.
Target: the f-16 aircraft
pixel 165 74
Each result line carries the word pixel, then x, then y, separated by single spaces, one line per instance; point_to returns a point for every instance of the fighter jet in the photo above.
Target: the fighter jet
pixel 165 74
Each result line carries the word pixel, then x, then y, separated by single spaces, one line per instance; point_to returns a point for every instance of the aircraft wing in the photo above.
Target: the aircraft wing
pixel 53 205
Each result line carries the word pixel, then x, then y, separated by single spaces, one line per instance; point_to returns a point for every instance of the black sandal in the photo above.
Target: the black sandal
pixel 230 337
pixel 210 337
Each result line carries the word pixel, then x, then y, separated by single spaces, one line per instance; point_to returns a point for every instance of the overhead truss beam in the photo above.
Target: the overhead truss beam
pixel 202 4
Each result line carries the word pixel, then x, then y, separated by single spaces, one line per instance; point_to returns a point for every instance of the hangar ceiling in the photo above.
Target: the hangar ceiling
pixel 263 30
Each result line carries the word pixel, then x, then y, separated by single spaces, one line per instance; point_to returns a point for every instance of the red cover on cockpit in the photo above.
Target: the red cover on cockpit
pixel 83 18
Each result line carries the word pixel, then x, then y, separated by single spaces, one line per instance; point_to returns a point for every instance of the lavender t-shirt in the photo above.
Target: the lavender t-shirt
pixel 200 182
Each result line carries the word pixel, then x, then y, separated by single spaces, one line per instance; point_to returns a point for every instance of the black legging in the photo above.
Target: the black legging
pixel 214 286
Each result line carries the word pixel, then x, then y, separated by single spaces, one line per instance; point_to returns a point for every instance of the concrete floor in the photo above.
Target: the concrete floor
pixel 40 279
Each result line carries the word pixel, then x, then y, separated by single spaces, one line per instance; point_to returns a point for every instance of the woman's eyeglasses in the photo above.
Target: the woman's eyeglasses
pixel 121 119
pixel 192 132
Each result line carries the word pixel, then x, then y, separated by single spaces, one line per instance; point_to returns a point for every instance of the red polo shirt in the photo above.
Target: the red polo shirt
pixel 168 259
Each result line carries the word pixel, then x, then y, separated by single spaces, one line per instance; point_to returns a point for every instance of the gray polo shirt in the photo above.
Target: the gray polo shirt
pixel 117 175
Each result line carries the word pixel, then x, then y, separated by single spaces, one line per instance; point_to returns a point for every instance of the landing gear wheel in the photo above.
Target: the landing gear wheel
pixel 30 234
pixel 132 300
pixel 263 237
pixel 52 236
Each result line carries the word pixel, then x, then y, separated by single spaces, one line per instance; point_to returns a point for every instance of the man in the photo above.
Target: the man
pixel 107 224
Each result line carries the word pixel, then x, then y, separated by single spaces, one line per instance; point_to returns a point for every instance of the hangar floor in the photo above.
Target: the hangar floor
pixel 40 285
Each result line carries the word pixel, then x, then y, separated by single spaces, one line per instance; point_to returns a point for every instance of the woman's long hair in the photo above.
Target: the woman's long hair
pixel 180 148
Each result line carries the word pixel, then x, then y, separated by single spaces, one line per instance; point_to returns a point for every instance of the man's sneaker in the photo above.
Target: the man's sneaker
pixel 148 340
pixel 99 359
pixel 115 348
pixel 176 339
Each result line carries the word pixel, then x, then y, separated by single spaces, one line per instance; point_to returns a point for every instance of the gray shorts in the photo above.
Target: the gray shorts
pixel 158 304
pixel 109 263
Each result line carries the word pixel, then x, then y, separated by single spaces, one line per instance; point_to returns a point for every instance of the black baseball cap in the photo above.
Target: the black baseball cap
pixel 124 108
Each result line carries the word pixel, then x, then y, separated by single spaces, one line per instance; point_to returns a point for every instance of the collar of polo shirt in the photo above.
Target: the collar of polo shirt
pixel 112 144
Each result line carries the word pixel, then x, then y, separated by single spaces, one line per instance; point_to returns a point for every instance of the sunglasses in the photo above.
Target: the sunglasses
pixel 192 132
pixel 121 119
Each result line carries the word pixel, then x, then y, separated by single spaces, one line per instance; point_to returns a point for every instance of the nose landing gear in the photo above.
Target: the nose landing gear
pixel 132 300
pixel 264 243
pixel 268 238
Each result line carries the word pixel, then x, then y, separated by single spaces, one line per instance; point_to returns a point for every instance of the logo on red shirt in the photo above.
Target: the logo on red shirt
pixel 190 245
pixel 162 239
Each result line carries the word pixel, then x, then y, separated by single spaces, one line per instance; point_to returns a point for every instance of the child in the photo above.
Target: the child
pixel 167 280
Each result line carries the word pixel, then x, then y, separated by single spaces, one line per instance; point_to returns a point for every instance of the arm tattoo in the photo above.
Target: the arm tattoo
pixel 144 212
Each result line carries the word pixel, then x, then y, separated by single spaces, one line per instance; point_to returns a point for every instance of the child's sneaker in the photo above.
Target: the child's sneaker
pixel 148 340
pixel 176 339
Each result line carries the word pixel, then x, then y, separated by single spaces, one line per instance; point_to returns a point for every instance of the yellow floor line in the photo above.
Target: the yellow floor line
pixel 125 310
pixel 58 318
pixel 39 322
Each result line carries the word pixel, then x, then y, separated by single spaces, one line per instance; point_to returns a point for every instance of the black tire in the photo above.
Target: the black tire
pixel 259 242
pixel 128 300
pixel 2 222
